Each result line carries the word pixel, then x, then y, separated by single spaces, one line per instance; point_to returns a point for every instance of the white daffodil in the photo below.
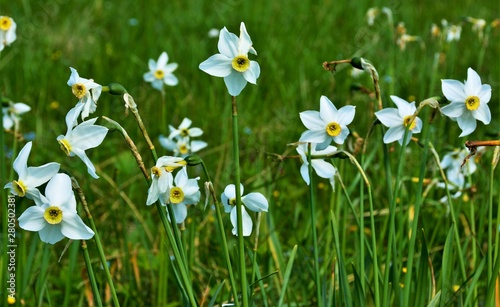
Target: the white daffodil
pixel 86 90
pixel 161 73
pixel 453 33
pixel 12 114
pixel 7 31
pixel 322 168
pixel 161 176
pixel 254 201
pixel 82 137
pixel 232 62
pixel 30 177
pixel 371 14
pixel 181 146
pixel 185 192
pixel 55 216
pixel 452 163
pixel 326 125
pixel 184 130
pixel 469 101
pixel 398 119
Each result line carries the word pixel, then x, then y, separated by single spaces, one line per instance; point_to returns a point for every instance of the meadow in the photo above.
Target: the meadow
pixel 386 233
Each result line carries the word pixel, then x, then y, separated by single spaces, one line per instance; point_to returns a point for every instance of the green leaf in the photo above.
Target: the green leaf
pixel 447 269
pixel 288 271
pixel 343 281
pixel 359 292
pixel 423 278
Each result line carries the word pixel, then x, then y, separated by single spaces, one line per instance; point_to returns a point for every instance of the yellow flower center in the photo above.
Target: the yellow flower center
pixel 184 132
pixel 53 215
pixel 241 63
pixel 65 146
pixel 78 90
pixel 176 166
pixel 333 129
pixel 176 195
pixel 406 122
pixel 5 23
pixel 232 202
pixel 156 171
pixel 183 149
pixel 472 103
pixel 159 74
pixel 19 188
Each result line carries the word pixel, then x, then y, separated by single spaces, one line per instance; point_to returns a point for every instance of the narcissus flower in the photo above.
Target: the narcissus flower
pixel 398 119
pixel 326 125
pixel 86 90
pixel 469 102
pixel 181 146
pixel 12 114
pixel 320 166
pixel 82 137
pixel 7 31
pixel 232 62
pixel 161 176
pixel 184 192
pixel 30 177
pixel 184 130
pixel 161 73
pixel 55 216
pixel 254 201
pixel 452 163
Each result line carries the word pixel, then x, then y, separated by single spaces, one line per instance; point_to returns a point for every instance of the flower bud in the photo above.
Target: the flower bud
pixel 193 160
pixel 116 89
pixel 357 63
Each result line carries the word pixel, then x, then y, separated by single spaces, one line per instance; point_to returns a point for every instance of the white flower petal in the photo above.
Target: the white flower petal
pixel 473 83
pixel 389 117
pixel 228 43
pixel 482 113
pixel 315 136
pixel 20 164
pixel 327 111
pixel 467 123
pixel 32 219
pixel 454 109
pixel 73 227
pixel 323 169
pixel 247 222
pixel 217 65
pixel 235 83
pixel 312 120
pixel 394 134
pixel 180 212
pixel 252 73
pixel 453 90
pixel 255 201
pixel 59 190
pixel 304 172
pixel 51 234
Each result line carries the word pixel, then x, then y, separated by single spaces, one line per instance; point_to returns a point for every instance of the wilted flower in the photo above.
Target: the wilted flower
pixel 371 14
pixel 161 177
pixel 232 62
pixel 477 25
pixel 54 216
pixel 30 177
pixel 86 90
pixel 398 119
pixel 469 102
pixel 254 201
pixel 184 192
pixel 320 166
pixel 161 73
pixel 12 114
pixel 82 137
pixel 7 31
pixel 326 125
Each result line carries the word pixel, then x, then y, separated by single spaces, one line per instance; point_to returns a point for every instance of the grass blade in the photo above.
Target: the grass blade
pixel 288 271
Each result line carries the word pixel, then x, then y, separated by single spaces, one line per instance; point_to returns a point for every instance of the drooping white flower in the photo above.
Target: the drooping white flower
pixel 7 31
pixel 322 168
pixel 54 216
pixel 253 201
pixel 12 114
pixel 398 119
pixel 469 102
pixel 86 90
pixel 452 163
pixel 161 177
pixel 30 178
pixel 232 61
pixel 326 125
pixel 82 137
pixel 161 73
pixel 185 191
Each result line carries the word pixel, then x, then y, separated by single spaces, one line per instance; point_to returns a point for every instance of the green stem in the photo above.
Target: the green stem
pixel 225 248
pixel 313 227
pixel 97 241
pixel 490 225
pixel 90 271
pixel 241 242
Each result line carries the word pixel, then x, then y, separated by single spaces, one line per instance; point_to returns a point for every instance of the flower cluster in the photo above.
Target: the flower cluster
pixel 180 140
pixel 180 192
pixel 325 126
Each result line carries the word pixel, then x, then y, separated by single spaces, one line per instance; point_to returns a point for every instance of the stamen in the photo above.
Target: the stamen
pixel 333 129
pixel 53 215
pixel 159 74
pixel 79 90
pixel 5 23
pixel 472 103
pixel 240 63
pixel 176 195
pixel 406 121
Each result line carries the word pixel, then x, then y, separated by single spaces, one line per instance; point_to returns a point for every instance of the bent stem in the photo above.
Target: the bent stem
pixel 97 240
pixel 313 226
pixel 241 242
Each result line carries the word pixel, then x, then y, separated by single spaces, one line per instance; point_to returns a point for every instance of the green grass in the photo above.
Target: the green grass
pixel 100 40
